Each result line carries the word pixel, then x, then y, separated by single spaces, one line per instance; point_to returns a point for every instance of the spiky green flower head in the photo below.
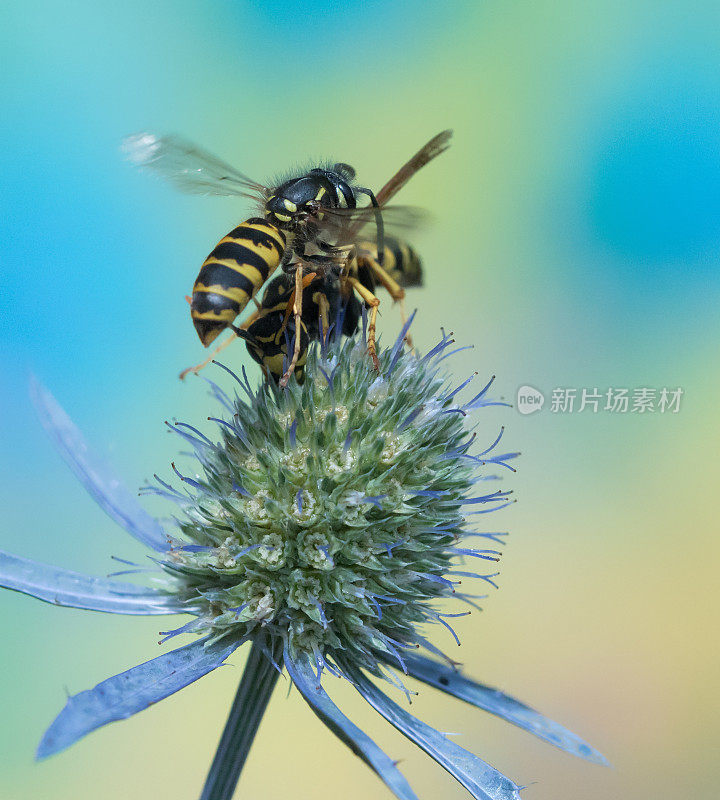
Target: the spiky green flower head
pixel 327 524
pixel 331 514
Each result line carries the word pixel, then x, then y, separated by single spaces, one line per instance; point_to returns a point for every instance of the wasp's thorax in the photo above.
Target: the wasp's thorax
pixel 301 200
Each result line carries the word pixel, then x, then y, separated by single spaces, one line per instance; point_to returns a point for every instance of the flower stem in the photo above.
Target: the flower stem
pixel 253 694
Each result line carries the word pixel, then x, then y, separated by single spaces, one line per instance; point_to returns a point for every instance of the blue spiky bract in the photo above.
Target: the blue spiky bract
pixel 330 513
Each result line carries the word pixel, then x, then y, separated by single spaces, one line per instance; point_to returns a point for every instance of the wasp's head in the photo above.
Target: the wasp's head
pixel 298 202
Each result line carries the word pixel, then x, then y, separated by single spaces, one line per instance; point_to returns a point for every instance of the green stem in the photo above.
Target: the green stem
pixel 253 694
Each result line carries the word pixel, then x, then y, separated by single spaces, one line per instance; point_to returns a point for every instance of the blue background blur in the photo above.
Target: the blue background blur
pixel 576 243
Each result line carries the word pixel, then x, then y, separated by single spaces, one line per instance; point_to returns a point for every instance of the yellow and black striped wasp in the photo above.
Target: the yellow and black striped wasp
pixel 270 336
pixel 309 226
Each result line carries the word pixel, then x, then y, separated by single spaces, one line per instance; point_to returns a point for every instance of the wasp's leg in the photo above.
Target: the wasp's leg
pixel 244 326
pixel 393 287
pixel 289 308
pixel 373 302
pixel 210 358
pixel 324 315
pixel 297 311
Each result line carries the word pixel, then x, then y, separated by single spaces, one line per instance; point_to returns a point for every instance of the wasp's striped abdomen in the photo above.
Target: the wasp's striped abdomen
pixel 272 334
pixel 238 266
pixel 402 262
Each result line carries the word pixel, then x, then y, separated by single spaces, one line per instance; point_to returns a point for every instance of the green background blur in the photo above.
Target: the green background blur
pixel 576 243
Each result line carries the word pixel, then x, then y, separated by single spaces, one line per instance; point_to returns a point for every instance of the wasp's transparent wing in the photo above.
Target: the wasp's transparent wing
pixel 188 167
pixel 348 225
pixel 399 218
pixel 437 145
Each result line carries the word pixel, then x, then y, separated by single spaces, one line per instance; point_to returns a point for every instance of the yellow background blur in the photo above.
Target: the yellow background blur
pixel 575 243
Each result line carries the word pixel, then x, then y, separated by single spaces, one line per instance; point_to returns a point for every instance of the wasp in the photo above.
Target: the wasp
pixel 309 225
pixel 270 336
pixel 401 261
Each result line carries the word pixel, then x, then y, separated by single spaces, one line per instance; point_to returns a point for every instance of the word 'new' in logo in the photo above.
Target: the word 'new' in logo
pixel 529 400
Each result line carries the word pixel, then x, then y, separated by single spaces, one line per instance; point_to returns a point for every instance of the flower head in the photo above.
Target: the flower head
pixel 327 523
pixel 331 515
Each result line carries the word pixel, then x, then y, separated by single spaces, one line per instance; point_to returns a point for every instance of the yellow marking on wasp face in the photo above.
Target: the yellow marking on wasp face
pixel 342 202
pixel 281 217
pixel 320 194
pixel 289 205
pixel 238 295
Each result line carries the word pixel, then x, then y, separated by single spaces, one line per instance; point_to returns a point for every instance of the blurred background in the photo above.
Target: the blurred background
pixel 576 244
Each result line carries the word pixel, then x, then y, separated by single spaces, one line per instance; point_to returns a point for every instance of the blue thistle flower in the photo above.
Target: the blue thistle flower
pixel 326 526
